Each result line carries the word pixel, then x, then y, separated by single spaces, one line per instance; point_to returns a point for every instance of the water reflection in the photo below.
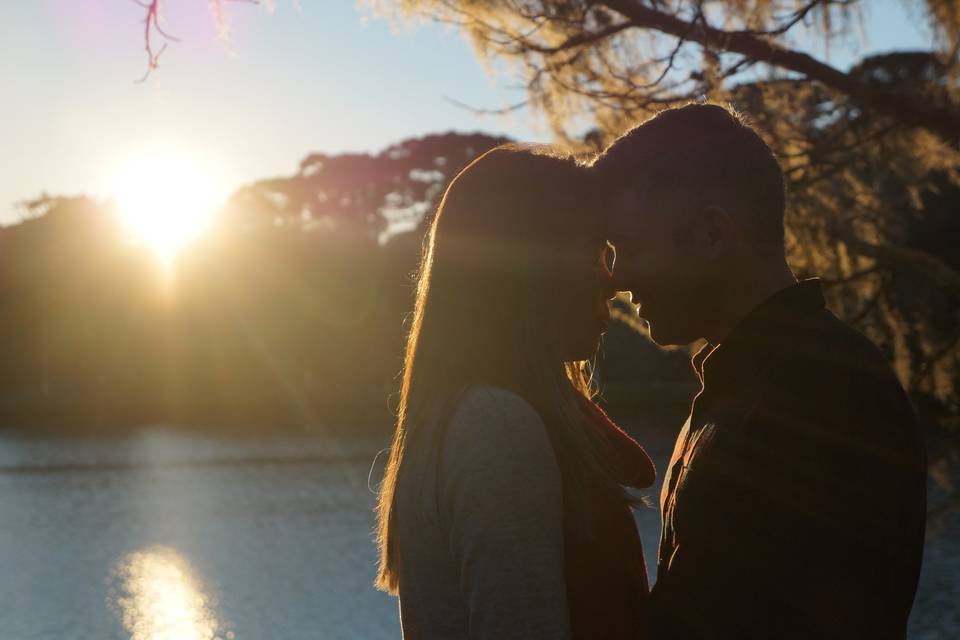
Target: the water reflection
pixel 159 596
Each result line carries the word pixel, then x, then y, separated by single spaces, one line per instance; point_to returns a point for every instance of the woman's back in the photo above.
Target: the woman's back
pixel 479 518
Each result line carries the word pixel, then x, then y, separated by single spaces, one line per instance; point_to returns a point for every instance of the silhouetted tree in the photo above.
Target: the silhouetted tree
pixel 77 316
pixel 290 312
pixel 624 59
pixel 361 195
pixel 871 154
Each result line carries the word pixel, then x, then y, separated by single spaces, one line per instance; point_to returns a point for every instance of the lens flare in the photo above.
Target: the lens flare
pixel 166 199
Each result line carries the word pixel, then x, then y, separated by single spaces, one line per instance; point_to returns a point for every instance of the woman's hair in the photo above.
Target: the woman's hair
pixel 491 266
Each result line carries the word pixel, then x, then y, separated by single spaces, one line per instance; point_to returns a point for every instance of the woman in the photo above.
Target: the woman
pixel 503 512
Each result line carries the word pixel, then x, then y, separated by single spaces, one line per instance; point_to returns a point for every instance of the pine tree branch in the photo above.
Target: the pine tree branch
pixel 944 121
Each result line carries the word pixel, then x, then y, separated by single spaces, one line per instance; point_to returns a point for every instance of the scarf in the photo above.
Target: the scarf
pixel 607 585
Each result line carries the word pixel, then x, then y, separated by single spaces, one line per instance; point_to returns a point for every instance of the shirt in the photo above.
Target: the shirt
pixel 490 547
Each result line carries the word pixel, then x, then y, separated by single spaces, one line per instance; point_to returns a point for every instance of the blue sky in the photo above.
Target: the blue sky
pixel 315 78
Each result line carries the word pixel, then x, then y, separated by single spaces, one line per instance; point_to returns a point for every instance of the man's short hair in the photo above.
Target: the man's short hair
pixel 709 152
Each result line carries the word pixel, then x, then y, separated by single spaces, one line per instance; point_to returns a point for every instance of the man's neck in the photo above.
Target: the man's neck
pixel 746 294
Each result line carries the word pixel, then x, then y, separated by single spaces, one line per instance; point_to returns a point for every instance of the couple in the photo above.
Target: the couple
pixel 794 503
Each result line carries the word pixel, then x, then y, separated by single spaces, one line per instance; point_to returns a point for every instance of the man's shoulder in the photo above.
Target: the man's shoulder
pixel 825 369
pixel 829 354
pixel 835 377
pixel 834 404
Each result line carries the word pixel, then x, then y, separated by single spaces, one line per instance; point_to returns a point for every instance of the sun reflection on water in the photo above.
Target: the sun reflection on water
pixel 159 596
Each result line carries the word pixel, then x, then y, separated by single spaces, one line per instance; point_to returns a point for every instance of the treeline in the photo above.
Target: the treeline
pixel 288 314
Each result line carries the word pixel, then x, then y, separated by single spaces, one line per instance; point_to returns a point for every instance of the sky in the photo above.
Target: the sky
pixel 310 76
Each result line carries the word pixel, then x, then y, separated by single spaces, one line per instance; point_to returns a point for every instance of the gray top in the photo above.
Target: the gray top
pixel 480 526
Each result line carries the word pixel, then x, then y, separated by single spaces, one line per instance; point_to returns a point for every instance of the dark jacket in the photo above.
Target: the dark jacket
pixel 794 504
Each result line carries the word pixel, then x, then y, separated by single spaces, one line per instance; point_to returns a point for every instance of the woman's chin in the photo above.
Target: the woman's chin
pixel 583 350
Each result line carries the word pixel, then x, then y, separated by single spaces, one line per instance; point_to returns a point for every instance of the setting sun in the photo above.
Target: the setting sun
pixel 167 199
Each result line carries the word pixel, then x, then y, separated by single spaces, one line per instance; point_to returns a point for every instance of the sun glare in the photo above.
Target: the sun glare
pixel 166 200
pixel 159 596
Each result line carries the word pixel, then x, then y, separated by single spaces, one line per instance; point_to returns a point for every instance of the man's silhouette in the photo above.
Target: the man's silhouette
pixel 794 503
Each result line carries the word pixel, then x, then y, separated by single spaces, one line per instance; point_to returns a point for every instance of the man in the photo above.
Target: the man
pixel 794 503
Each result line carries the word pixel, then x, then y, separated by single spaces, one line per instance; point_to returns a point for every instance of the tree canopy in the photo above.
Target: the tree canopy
pixel 371 195
pixel 288 312
pixel 618 61
pixel 871 154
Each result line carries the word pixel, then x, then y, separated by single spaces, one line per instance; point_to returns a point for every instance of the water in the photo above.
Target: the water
pixel 162 535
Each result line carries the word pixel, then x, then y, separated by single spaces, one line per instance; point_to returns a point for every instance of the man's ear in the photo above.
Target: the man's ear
pixel 715 229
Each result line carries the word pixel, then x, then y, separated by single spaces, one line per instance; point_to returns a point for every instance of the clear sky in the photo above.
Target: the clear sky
pixel 311 76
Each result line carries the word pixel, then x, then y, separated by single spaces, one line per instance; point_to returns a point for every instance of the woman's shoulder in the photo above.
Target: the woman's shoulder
pixel 495 421
pixel 496 444
pixel 485 400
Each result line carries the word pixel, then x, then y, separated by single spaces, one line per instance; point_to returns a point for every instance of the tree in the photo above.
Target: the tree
pixel 156 37
pixel 77 316
pixel 288 312
pixel 615 58
pixel 871 155
pixel 867 196
pixel 365 195
pixel 613 63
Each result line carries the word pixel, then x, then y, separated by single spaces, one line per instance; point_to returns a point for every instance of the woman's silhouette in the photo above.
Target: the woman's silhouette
pixel 503 512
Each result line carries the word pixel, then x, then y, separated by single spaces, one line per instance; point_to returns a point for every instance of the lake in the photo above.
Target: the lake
pixel 165 535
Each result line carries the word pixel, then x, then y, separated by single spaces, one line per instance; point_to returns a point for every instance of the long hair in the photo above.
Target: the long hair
pixel 489 271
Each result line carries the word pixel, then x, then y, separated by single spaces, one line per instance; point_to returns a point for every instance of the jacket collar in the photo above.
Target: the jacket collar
pixel 765 330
